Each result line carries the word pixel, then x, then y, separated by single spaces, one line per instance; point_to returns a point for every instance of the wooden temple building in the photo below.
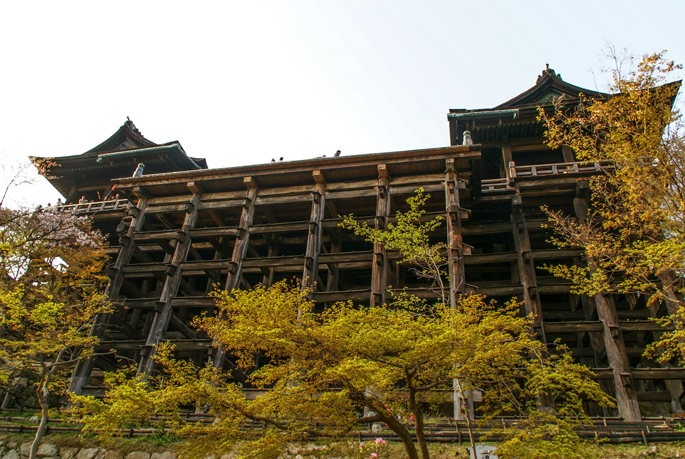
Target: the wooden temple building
pixel 179 228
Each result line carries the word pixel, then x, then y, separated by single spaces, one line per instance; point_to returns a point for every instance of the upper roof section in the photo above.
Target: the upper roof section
pixel 116 157
pixel 548 87
pixel 127 137
pixel 517 117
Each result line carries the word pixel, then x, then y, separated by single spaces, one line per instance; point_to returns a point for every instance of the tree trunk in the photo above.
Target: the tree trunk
pixel 43 393
pixel 403 433
pixel 468 416
pixel 417 412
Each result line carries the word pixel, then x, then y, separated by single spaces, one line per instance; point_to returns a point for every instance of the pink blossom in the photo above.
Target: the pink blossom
pixel 373 456
pixel 380 442
pixel 361 445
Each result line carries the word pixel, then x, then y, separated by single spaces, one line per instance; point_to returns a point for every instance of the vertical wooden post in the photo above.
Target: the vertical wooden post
pixel 455 253
pixel 311 263
pixel 455 261
pixel 163 311
pixel 531 296
pixel 568 154
pixel 617 355
pixel 379 269
pixel 674 386
pixel 268 279
pixel 239 251
pixel 116 277
pixel 454 134
pixel 507 158
pixel 526 266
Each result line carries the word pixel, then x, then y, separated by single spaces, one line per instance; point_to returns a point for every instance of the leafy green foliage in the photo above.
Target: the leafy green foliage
pixel 410 236
pixel 637 217
pixel 326 368
pixel 634 235
pixel 50 290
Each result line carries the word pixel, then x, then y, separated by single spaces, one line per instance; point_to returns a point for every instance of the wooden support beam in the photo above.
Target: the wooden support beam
pixel 239 251
pixel 83 368
pixel 268 279
pixel 615 348
pixel 568 154
pixel 455 254
pixel 180 325
pixel 333 269
pixel 311 265
pixel 526 267
pixel 673 302
pixel 527 276
pixel 379 270
pixel 124 328
pixel 643 374
pixel 597 326
pixel 507 160
pixel 163 314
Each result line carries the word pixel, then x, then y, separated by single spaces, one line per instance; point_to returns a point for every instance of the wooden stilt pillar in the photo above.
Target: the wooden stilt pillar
pixel 597 344
pixel 268 279
pixel 455 253
pixel 457 286
pixel 239 252
pixel 526 267
pixel 531 297
pixel 379 270
pixel 163 311
pixel 116 278
pixel 626 396
pixel 674 386
pixel 311 264
pixel 615 348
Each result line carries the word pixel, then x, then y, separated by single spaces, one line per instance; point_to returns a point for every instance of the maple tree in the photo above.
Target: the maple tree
pixel 51 287
pixel 634 232
pixel 329 372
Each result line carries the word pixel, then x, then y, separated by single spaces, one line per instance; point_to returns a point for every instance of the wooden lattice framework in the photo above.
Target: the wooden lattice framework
pixel 174 235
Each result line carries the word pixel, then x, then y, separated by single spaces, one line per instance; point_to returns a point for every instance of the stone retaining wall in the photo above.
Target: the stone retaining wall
pixel 17 450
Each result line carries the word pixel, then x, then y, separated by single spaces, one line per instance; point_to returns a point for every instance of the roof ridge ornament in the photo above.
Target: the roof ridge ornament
pixel 547 72
pixel 133 127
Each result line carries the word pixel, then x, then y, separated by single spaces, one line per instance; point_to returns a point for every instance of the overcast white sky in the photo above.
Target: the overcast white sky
pixel 241 82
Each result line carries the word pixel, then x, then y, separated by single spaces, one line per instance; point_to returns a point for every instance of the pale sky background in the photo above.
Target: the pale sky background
pixel 241 82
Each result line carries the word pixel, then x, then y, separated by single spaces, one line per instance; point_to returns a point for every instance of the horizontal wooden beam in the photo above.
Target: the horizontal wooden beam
pixel 214 232
pixel 179 345
pixel 155 235
pixel 349 295
pixel 596 326
pixel 643 373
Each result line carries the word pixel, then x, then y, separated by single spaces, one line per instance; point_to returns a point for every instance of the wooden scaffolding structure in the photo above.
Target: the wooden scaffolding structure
pixel 176 233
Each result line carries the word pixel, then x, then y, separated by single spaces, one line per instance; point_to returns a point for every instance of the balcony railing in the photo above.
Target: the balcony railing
pixel 98 206
pixel 493 185
pixel 542 170
pixel 558 169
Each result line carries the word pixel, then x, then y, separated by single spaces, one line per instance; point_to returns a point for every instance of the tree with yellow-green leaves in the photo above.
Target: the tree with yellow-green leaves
pixel 330 372
pixel 51 288
pixel 634 232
